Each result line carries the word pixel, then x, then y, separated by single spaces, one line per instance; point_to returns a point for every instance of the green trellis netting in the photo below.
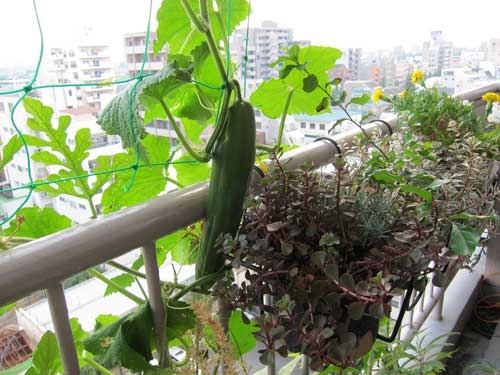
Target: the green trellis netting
pixel 134 81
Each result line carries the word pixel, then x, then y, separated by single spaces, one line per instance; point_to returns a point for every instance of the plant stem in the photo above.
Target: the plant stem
pixel 116 286
pixel 175 182
pixel 283 118
pixel 196 284
pixel 203 25
pixel 123 268
pixel 221 123
pixel 89 358
pixel 203 157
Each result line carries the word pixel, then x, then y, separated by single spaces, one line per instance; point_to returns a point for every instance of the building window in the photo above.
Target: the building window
pixel 81 206
pixel 312 125
pixel 302 125
pixel 321 126
pixel 99 140
pixel 258 125
pixel 2 107
pixel 70 93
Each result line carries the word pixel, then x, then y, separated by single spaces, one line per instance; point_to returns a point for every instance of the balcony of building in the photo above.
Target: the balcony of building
pixel 45 263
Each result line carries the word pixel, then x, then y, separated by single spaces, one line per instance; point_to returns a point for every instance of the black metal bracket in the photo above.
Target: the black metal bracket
pixel 389 127
pixel 404 308
pixel 339 150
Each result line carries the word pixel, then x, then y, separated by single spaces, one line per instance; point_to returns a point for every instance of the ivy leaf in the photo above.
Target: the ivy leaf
pixel 425 194
pixel 38 222
pixel 46 358
pixel 386 177
pixel 120 117
pixel 176 29
pixel 190 172
pixel 463 239
pixel 10 149
pixel 242 335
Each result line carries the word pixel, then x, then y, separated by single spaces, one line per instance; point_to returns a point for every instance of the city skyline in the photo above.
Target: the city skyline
pixel 63 22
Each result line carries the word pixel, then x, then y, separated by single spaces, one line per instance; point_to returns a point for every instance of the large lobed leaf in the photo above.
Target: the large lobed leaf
pixel 305 75
pixel 176 29
pixel 38 222
pixel 148 181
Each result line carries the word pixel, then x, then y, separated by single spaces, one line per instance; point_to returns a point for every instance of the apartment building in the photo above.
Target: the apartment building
pixel 135 45
pixel 493 51
pixel 265 45
pixel 88 64
pixel 354 62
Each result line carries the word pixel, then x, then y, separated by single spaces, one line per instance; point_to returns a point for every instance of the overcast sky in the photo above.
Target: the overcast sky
pixel 348 23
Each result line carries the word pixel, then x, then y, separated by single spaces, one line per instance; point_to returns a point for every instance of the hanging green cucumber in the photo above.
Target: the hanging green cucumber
pixel 233 159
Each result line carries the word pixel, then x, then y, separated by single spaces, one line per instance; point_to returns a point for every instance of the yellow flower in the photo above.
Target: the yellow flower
pixel 403 93
pixel 377 95
pixel 417 76
pixel 491 97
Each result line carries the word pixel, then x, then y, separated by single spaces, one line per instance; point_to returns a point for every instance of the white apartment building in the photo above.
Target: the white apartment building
pixel 265 45
pixel 456 80
pixel 89 63
pixel 493 51
pixel 135 44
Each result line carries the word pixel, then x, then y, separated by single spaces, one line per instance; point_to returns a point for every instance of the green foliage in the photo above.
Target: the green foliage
pixel 37 222
pixel 176 29
pixel 7 308
pixel 46 359
pixel 121 118
pixel 10 149
pixel 242 334
pixel 432 113
pixel 303 75
pixel 182 245
pixel 57 152
pixel 464 239
pixel 148 181
pixel 190 172
pixel 126 342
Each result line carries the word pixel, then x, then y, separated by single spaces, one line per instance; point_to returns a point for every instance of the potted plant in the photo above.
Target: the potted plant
pixel 326 252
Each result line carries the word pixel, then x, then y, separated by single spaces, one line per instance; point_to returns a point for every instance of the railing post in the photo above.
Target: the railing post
pixel 156 301
pixel 437 312
pixel 422 300
pixel 271 368
pixel 60 320
pixel 412 311
pixel 305 365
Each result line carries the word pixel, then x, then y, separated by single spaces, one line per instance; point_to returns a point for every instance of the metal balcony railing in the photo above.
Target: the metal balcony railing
pixel 46 262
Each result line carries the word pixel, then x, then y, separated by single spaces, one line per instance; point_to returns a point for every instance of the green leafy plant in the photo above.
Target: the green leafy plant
pixel 330 250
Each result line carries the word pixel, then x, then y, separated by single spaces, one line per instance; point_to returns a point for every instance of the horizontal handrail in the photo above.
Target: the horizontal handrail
pixel 42 263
